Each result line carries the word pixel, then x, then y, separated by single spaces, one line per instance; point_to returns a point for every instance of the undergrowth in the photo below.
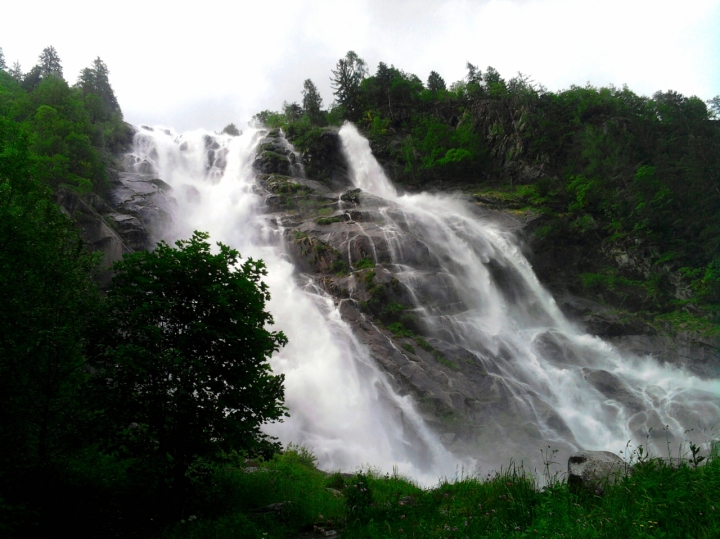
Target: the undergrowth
pixel 657 499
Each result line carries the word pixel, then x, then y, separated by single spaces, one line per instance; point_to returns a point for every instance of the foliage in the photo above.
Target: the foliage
pixel 312 102
pixel 347 78
pixel 657 500
pixel 232 130
pixel 47 302
pixel 181 361
pixel 49 63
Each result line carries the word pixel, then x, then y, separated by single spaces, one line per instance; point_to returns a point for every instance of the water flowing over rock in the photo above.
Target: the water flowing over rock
pixel 419 333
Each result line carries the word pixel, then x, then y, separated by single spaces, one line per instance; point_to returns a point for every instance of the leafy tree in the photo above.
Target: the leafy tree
pixel 347 77
pixel 182 359
pixel 312 102
pixel 292 111
pixel 232 130
pixel 435 82
pixel 49 63
pixel 3 65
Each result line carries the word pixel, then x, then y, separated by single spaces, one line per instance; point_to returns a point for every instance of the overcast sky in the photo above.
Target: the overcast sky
pixel 205 64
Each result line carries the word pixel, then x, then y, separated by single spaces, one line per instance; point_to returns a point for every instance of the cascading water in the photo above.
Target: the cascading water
pixel 542 381
pixel 560 387
pixel 341 405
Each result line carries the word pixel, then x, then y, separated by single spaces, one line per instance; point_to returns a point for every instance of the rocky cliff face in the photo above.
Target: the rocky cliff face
pixel 333 232
pixel 135 214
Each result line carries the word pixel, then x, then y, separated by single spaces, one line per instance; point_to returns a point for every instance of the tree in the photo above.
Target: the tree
pixel 95 81
pixel 3 65
pixel 714 106
pixel 232 130
pixel 347 77
pixel 182 358
pixel 292 111
pixel 32 79
pixel 16 71
pixel 312 101
pixel 435 82
pixel 47 301
pixel 49 63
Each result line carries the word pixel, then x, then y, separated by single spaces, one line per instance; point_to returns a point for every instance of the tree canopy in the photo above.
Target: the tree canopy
pixel 182 357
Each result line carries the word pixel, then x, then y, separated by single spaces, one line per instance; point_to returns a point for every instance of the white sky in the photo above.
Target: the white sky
pixel 205 64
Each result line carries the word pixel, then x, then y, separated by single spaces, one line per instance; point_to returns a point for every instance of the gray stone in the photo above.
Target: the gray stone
pixel 593 471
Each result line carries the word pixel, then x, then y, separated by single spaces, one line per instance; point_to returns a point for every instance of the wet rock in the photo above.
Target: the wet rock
pixel 324 161
pixel 94 229
pixel 147 199
pixel 593 471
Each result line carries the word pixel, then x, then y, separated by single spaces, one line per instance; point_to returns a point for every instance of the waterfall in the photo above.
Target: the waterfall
pixel 543 381
pixel 341 405
pixel 568 389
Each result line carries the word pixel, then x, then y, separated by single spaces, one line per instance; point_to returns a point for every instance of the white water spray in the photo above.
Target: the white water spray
pixel 341 405
pixel 504 316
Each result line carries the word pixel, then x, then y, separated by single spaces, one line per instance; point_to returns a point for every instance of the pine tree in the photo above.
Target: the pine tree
pixel 435 82
pixel 95 81
pixel 49 63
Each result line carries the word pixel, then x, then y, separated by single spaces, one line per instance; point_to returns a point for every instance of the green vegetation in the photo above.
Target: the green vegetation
pixel 112 407
pixel 364 263
pixel 328 220
pixel 605 167
pixel 657 500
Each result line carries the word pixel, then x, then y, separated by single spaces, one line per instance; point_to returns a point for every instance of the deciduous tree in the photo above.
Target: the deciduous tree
pixel 182 360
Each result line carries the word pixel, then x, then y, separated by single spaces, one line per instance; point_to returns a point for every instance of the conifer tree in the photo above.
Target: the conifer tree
pixel 49 63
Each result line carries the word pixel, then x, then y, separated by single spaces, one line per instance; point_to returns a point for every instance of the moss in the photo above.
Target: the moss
pixel 408 347
pixel 364 263
pixel 328 220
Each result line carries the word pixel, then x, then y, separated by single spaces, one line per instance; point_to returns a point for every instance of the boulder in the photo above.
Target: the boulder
pixel 593 471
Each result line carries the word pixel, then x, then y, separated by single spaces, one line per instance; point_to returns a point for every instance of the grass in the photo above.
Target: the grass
pixel 656 500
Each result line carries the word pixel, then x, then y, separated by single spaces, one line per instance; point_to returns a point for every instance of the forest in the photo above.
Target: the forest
pixel 121 416
pixel 604 167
